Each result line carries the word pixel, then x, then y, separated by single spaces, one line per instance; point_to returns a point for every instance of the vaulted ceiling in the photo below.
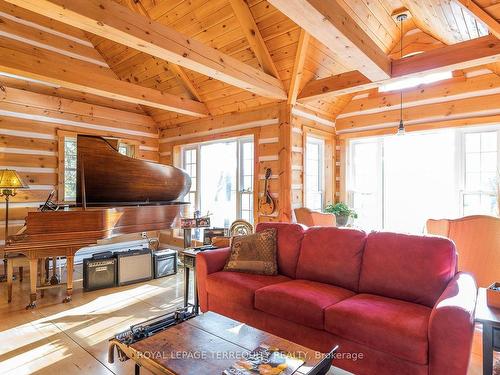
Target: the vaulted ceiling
pixel 256 33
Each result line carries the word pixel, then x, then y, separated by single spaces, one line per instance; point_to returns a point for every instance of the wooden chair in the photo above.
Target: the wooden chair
pixel 312 218
pixel 477 239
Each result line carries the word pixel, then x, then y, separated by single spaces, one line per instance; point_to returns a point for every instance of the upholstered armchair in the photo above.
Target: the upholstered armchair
pixel 477 239
pixel 312 218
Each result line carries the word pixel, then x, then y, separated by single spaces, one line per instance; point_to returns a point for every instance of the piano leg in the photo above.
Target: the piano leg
pixel 41 267
pixel 54 280
pixel 33 279
pixel 69 277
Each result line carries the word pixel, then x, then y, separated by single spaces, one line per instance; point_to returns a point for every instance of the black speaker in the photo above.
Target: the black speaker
pixel 134 266
pixel 165 263
pixel 99 272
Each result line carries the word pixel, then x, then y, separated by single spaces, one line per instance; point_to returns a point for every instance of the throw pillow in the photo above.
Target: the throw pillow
pixel 255 253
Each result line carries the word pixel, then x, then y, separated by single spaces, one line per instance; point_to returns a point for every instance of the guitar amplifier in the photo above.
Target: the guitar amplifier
pixel 165 263
pixel 134 266
pixel 99 272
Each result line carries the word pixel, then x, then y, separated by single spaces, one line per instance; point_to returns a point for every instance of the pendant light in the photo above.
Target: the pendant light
pixel 401 128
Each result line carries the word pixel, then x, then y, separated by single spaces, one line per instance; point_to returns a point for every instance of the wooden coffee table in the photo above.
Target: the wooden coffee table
pixel 207 344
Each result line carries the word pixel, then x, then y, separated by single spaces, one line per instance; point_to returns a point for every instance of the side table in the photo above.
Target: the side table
pixel 489 317
pixel 189 260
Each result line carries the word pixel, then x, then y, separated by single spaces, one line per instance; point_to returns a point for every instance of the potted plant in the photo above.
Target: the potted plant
pixel 342 213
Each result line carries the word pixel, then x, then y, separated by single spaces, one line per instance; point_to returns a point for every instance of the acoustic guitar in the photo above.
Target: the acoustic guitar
pixel 266 202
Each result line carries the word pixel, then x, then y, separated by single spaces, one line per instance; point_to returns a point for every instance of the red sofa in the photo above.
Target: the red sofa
pixel 394 303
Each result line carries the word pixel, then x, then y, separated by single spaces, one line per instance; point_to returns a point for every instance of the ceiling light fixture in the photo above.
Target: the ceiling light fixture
pixel 401 128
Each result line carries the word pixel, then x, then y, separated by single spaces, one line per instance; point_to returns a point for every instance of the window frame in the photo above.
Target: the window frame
pixel 462 164
pixel 240 140
pixel 241 178
pixel 350 172
pixel 198 170
pixel 321 142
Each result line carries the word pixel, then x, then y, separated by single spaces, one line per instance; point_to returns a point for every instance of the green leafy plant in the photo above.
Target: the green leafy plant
pixel 341 209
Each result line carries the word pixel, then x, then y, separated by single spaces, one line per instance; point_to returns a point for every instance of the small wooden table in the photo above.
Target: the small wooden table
pixel 207 344
pixel 489 317
pixel 189 261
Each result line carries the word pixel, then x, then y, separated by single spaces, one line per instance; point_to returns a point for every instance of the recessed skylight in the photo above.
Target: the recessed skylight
pixel 406 83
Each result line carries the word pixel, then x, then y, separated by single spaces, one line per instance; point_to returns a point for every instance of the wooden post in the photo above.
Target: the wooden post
pixel 285 159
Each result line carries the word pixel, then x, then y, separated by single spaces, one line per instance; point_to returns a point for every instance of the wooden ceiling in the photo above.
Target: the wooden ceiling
pixel 259 35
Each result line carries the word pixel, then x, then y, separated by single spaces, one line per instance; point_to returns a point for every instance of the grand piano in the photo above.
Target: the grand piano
pixel 115 194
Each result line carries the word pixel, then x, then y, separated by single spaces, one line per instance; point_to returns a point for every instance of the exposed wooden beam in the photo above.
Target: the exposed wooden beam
pixel 185 81
pixel 122 25
pixel 44 24
pixel 174 68
pixel 340 84
pixel 427 125
pixel 43 68
pixel 481 16
pixel 298 66
pixel 217 124
pixel 327 21
pixel 453 109
pixel 21 32
pixel 439 92
pixel 252 33
pixel 54 103
pixel 463 55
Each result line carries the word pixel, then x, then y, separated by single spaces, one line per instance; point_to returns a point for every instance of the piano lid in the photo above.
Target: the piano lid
pixel 112 178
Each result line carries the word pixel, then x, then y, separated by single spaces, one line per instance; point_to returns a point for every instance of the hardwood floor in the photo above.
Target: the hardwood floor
pixel 73 338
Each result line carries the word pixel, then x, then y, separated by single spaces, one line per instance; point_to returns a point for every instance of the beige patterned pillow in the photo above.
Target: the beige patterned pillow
pixel 255 253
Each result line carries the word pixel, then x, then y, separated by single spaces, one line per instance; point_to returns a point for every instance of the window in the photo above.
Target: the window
pixel 397 183
pixel 246 180
pixel 69 169
pixel 190 166
pixel 70 155
pixel 480 173
pixel 365 182
pixel 222 179
pixel 406 83
pixel 314 173
pixel 126 149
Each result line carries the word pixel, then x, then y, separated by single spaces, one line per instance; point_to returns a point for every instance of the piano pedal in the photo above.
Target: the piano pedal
pixel 54 280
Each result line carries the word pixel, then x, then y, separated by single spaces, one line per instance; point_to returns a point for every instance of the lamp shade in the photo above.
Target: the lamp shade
pixel 10 179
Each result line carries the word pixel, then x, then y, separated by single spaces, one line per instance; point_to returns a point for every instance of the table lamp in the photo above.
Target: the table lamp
pixel 10 181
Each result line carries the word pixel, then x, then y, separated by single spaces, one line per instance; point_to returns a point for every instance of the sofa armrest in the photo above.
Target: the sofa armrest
pixel 208 262
pixel 451 327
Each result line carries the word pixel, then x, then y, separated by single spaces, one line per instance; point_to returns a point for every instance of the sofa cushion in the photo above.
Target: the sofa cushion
pixel 289 238
pixel 412 268
pixel 239 288
pixel 385 324
pixel 332 255
pixel 300 301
